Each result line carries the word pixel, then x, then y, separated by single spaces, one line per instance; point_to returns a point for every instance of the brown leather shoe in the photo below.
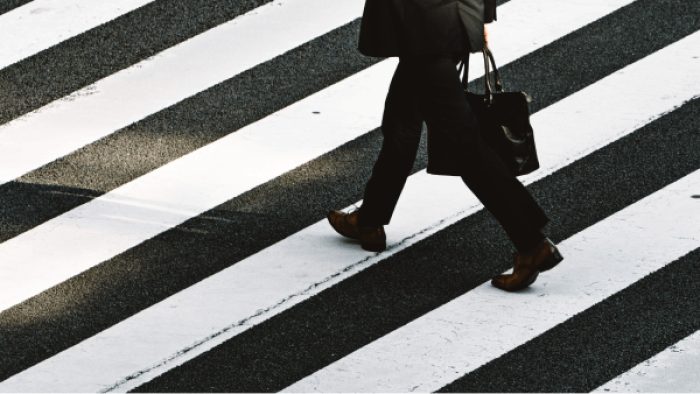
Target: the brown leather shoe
pixel 372 239
pixel 527 267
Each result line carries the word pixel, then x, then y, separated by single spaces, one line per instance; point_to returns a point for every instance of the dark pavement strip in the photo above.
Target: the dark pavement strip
pixel 417 280
pixel 9 5
pixel 64 315
pixel 122 42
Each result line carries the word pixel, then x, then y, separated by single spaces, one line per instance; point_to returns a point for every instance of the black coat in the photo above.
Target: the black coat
pixel 420 27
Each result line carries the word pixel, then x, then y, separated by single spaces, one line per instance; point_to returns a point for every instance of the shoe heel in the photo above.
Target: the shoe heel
pixel 551 262
pixel 528 281
pixel 373 247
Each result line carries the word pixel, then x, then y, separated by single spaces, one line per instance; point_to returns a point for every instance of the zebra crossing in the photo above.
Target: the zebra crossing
pixel 183 327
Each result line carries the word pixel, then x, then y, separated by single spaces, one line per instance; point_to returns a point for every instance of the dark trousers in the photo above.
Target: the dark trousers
pixel 428 88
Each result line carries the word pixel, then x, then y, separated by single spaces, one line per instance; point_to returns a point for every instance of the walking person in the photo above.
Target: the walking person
pixel 429 37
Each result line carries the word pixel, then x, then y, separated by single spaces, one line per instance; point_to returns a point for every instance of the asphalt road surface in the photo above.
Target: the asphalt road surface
pixel 166 168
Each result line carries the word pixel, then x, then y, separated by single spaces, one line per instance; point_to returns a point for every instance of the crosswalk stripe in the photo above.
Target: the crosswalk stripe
pixel 260 286
pixel 40 24
pixel 439 347
pixel 672 370
pixel 164 198
pixel 112 103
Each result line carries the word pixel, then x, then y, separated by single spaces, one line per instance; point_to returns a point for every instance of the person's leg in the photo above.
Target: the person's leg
pixel 440 99
pixel 503 195
pixel 401 128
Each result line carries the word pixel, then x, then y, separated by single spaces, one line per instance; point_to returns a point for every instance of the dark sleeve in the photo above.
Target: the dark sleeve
pixel 489 11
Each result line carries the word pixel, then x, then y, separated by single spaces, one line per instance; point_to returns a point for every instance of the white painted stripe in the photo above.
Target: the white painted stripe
pixel 196 182
pixel 98 110
pixel 675 370
pixel 273 280
pixel 41 24
pixel 134 93
pixel 464 334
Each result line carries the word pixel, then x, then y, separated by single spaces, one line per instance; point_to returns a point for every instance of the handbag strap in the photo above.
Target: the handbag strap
pixel 499 84
pixel 488 58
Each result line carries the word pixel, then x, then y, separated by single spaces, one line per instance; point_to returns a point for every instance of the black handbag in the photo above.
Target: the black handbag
pixel 504 119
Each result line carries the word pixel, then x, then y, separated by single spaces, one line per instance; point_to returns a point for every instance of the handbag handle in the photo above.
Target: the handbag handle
pixel 499 84
pixel 488 58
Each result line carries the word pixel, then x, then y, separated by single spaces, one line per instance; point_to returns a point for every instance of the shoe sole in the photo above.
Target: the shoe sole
pixel 551 261
pixel 373 247
pixel 525 283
